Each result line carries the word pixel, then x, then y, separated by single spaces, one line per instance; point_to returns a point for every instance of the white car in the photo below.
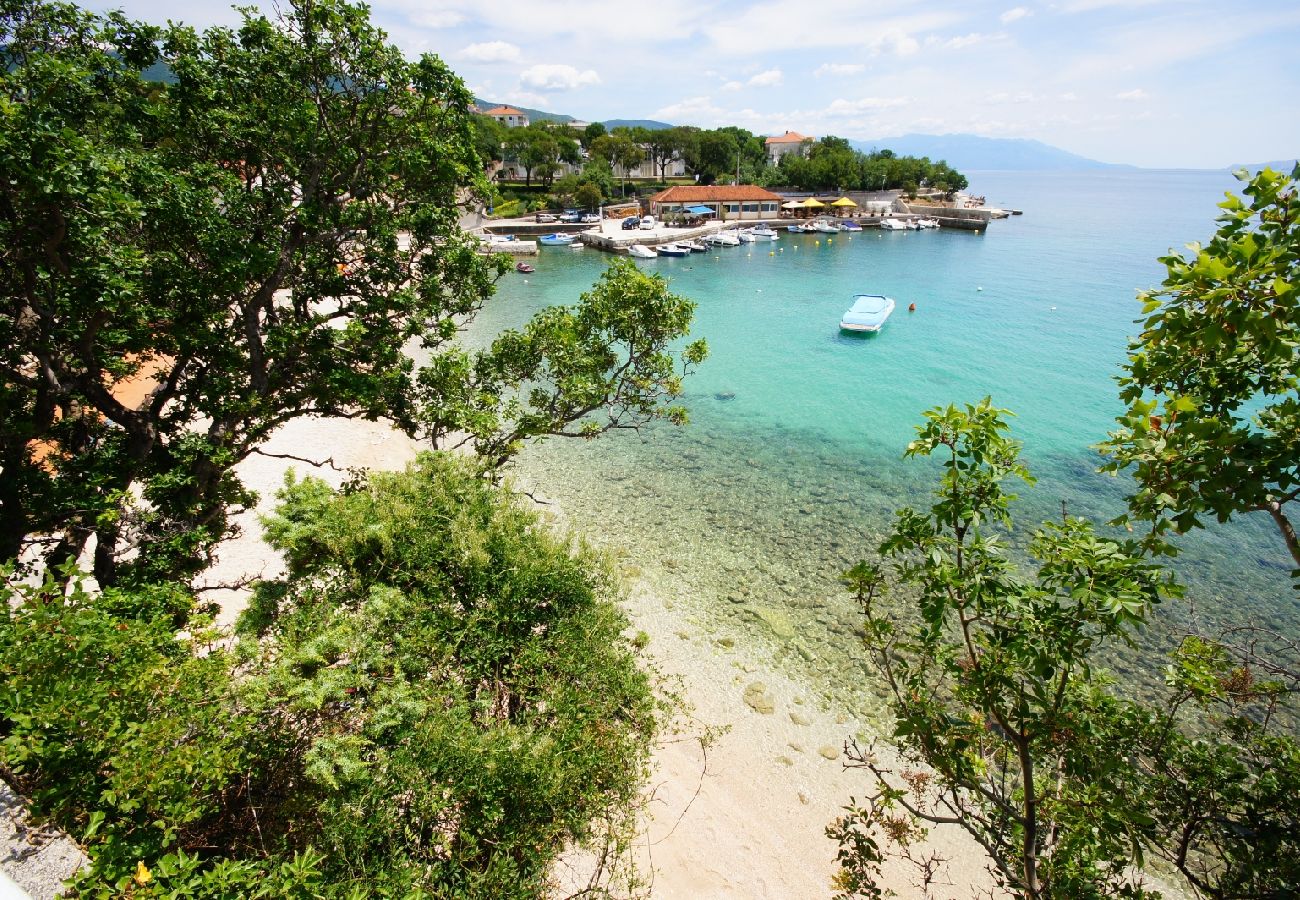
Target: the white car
pixel 648 223
pixel 590 219
pixel 545 217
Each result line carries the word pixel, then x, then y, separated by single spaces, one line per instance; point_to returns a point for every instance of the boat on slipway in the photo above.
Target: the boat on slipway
pixel 868 313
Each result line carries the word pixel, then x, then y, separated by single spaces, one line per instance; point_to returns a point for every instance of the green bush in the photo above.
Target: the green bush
pixel 436 698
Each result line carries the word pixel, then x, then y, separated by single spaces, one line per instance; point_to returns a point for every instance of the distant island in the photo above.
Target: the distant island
pixel 972 152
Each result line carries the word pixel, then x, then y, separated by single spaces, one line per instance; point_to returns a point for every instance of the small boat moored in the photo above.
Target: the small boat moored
pixel 868 313
pixel 850 225
pixel 892 225
pixel 693 246
pixel 557 239
pixel 763 233
pixel 524 268
pixel 641 252
pixel 673 250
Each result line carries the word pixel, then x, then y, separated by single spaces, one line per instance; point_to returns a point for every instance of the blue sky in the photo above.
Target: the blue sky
pixel 1148 82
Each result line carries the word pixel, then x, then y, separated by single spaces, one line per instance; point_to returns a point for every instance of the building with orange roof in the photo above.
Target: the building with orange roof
pixel 790 142
pixel 508 116
pixel 725 201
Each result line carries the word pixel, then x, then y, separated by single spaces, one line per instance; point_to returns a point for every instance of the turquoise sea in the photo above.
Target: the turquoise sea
pixel 792 465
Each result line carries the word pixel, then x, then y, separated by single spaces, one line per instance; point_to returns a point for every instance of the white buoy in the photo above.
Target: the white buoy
pixel 979 288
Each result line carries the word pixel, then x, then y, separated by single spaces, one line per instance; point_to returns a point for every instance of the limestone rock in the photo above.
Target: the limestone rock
pixel 829 752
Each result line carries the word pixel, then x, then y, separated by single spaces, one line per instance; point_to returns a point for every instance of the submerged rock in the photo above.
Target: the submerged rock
pixel 758 699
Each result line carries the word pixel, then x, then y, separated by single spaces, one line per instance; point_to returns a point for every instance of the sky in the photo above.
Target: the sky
pixel 1160 83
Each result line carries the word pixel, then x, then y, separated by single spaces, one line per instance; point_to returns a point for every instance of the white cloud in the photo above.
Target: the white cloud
pixel 1068 97
pixel 769 78
pixel 490 52
pixel 1008 97
pixel 839 69
pixel 961 42
pixel 865 104
pixel 556 77
pixel 529 99
pixel 444 18
pixel 732 86
pixel 1135 95
pixel 691 110
pixel 1016 12
pixel 897 41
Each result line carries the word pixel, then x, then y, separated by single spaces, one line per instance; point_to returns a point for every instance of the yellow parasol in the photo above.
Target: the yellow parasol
pixel 813 203
pixel 844 201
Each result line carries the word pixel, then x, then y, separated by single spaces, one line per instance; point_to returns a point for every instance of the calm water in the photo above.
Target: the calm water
pixel 791 468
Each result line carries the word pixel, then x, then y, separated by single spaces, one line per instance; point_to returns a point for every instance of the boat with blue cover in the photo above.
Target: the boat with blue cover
pixel 557 239
pixel 868 313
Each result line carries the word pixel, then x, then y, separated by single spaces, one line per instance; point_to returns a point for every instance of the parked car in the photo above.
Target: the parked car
pixel 631 222
pixel 545 217
pixel 590 218
pixel 647 223
pixel 570 215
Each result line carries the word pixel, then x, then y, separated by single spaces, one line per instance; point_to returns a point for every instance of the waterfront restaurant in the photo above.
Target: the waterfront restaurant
pixel 727 202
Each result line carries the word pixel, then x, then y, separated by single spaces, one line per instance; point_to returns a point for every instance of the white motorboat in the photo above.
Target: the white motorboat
pixel 928 222
pixel 868 313
pixel 746 236
pixel 641 252
pixel 763 233
pixel 892 225
pixel 796 228
pixel 723 239
pixel 693 246
pixel 825 227
pixel 673 250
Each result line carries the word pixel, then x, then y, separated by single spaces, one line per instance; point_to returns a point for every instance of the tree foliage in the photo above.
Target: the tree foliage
pixel 261 238
pixel 602 365
pixel 1008 729
pixel 1213 381
pixel 437 698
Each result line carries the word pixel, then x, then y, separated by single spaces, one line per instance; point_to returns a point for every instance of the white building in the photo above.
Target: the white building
pixel 790 142
pixel 508 116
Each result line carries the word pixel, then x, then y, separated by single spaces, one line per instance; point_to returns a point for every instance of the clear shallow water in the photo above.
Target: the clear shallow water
pixel 791 468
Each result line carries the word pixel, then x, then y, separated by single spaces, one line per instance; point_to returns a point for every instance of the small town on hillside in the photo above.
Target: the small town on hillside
pixel 644 188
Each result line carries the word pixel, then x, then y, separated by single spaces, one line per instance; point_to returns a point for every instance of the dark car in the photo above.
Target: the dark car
pixel 631 222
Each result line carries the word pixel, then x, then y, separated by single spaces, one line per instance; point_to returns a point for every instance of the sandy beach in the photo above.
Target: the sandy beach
pixel 746 819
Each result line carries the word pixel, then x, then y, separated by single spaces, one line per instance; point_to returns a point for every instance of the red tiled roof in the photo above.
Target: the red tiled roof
pixel 697 193
pixel 503 111
pixel 790 137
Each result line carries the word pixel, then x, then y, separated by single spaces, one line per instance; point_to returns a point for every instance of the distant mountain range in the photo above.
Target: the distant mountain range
pixel 969 152
pixel 534 115
pixel 650 124
pixel 1277 165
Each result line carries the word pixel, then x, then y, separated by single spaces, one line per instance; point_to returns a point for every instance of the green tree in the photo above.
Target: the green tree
pixel 259 238
pixel 711 155
pixel 620 152
pixel 591 132
pixel 1003 724
pixel 1213 381
pixel 579 371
